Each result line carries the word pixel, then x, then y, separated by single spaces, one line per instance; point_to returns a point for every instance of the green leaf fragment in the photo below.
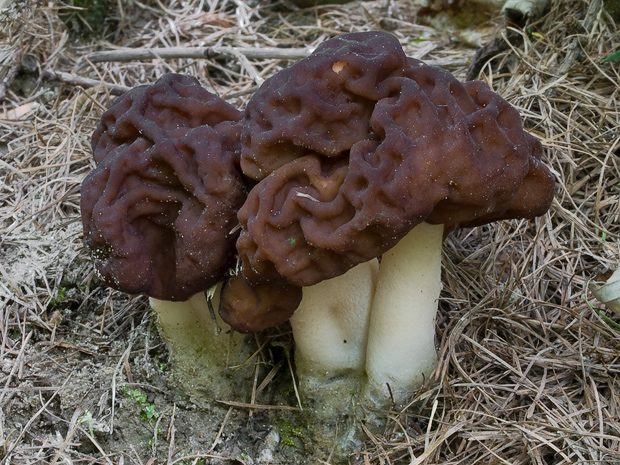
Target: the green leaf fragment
pixel 611 57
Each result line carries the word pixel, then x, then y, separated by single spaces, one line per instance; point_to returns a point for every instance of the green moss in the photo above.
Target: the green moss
pixel 60 297
pixel 147 411
pixel 291 434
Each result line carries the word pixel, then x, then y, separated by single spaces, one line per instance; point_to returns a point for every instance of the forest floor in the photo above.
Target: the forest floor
pixel 529 360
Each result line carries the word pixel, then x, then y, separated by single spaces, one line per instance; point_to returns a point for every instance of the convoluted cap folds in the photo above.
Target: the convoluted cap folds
pixel 249 308
pixel 159 208
pixel 353 174
pixel 166 109
pixel 322 103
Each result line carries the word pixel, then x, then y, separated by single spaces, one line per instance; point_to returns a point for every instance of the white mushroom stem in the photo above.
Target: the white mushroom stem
pixel 330 326
pixel 401 343
pixel 203 355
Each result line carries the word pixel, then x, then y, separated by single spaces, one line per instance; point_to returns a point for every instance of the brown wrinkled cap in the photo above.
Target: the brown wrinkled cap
pixel 322 103
pixel 166 109
pixel 250 308
pixel 159 208
pixel 435 150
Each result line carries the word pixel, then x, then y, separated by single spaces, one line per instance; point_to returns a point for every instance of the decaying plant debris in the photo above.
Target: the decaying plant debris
pixel 529 361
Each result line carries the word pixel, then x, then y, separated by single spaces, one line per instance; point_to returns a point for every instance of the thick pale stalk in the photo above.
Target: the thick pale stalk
pixel 330 326
pixel 401 344
pixel 204 360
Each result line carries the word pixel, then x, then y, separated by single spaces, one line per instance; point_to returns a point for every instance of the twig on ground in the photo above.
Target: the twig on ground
pixel 258 406
pixel 196 457
pixel 245 63
pixel 168 53
pixel 73 79
pixel 242 54
pixel 74 424
pixel 216 440
pixel 113 386
pixel 171 433
pixel 441 438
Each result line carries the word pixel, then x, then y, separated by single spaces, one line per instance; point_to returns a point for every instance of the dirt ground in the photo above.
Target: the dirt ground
pixel 529 369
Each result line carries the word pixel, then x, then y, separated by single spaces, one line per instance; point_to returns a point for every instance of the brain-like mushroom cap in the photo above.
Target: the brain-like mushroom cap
pixel 251 308
pixel 322 103
pixel 159 208
pixel 166 109
pixel 435 150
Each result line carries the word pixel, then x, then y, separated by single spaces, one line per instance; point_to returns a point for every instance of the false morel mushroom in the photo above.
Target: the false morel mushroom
pixel 159 209
pixel 355 148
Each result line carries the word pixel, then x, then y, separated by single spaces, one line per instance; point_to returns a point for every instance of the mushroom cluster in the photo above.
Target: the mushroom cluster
pixel 362 152
pixel 360 159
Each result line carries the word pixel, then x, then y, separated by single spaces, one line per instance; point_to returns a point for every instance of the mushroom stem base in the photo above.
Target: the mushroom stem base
pixel 330 328
pixel 330 325
pixel 204 362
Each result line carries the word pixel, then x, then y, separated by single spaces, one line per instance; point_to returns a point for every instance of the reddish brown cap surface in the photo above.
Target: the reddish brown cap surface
pixel 166 109
pixel 250 308
pixel 420 146
pixel 320 104
pixel 159 207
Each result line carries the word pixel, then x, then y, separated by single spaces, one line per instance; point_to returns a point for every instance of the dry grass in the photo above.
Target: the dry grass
pixel 530 363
